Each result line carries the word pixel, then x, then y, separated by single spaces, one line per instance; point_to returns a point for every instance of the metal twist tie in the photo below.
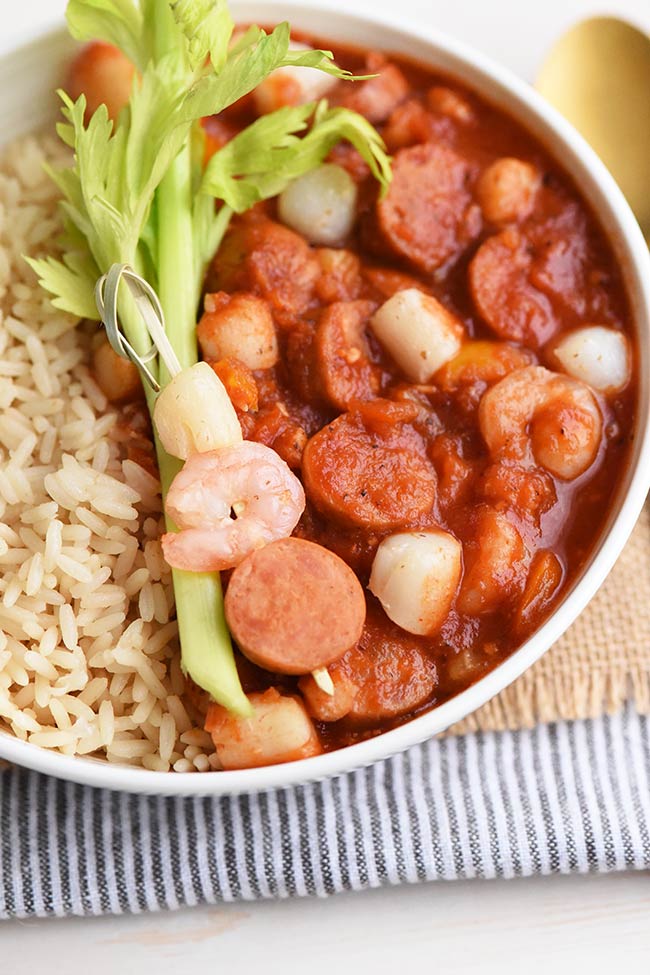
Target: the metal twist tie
pixel 148 304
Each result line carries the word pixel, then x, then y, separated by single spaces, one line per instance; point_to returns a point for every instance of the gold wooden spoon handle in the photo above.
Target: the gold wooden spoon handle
pixel 598 76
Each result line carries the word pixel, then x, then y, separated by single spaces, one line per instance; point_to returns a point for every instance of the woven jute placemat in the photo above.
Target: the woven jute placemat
pixel 602 661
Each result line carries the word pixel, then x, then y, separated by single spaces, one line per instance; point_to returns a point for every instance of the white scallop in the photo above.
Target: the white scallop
pixel 418 331
pixel 597 355
pixel 292 85
pixel 321 205
pixel 415 576
pixel 193 413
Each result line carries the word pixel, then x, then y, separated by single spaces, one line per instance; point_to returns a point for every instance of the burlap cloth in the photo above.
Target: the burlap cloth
pixel 602 661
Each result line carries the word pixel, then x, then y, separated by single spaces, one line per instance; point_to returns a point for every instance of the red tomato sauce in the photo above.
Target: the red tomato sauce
pixel 377 453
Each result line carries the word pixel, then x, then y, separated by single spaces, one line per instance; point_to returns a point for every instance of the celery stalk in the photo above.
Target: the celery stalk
pixel 176 260
pixel 206 649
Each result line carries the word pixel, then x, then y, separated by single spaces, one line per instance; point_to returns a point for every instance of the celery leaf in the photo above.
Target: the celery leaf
pixel 118 168
pixel 265 157
pixel 118 22
pixel 71 280
pixel 207 27
pixel 248 63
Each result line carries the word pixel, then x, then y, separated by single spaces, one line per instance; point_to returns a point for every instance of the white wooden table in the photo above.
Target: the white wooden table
pixel 537 925
pixel 531 927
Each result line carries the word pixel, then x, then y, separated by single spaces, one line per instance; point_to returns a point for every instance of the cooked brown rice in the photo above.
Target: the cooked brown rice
pixel 89 658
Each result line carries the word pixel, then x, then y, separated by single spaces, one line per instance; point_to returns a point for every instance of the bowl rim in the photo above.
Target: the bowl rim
pixel 625 235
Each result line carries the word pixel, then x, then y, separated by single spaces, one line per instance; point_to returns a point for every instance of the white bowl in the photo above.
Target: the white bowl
pixel 27 79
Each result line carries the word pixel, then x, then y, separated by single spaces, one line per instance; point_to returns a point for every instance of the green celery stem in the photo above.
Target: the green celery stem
pixel 207 653
pixel 206 649
pixel 176 278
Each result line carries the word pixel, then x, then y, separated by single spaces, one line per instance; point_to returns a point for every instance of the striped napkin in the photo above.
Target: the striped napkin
pixel 566 797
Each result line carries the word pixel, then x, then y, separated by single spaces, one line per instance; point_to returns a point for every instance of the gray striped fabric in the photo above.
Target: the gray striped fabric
pixel 561 798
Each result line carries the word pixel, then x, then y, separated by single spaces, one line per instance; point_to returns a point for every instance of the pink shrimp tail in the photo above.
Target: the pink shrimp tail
pixel 192 550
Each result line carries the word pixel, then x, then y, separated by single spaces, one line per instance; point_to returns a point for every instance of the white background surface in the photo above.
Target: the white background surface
pixel 532 926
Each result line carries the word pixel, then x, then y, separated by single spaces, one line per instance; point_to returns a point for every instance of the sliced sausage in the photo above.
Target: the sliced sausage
pixel 499 279
pixel 367 478
pixel 293 606
pixel 285 270
pixel 390 668
pixel 565 267
pixel 428 216
pixel 262 256
pixel 344 370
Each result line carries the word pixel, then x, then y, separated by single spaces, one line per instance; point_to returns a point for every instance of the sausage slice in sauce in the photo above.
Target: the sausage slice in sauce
pixel 392 670
pixel 428 215
pixel 293 606
pixel 343 367
pixel 376 478
pixel 504 295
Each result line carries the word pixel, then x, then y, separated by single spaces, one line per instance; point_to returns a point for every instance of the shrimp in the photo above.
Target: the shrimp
pixel 239 325
pixel 538 416
pixel 292 85
pixel 506 190
pixel 248 480
pixel 446 101
pixel 496 563
pixel 104 75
